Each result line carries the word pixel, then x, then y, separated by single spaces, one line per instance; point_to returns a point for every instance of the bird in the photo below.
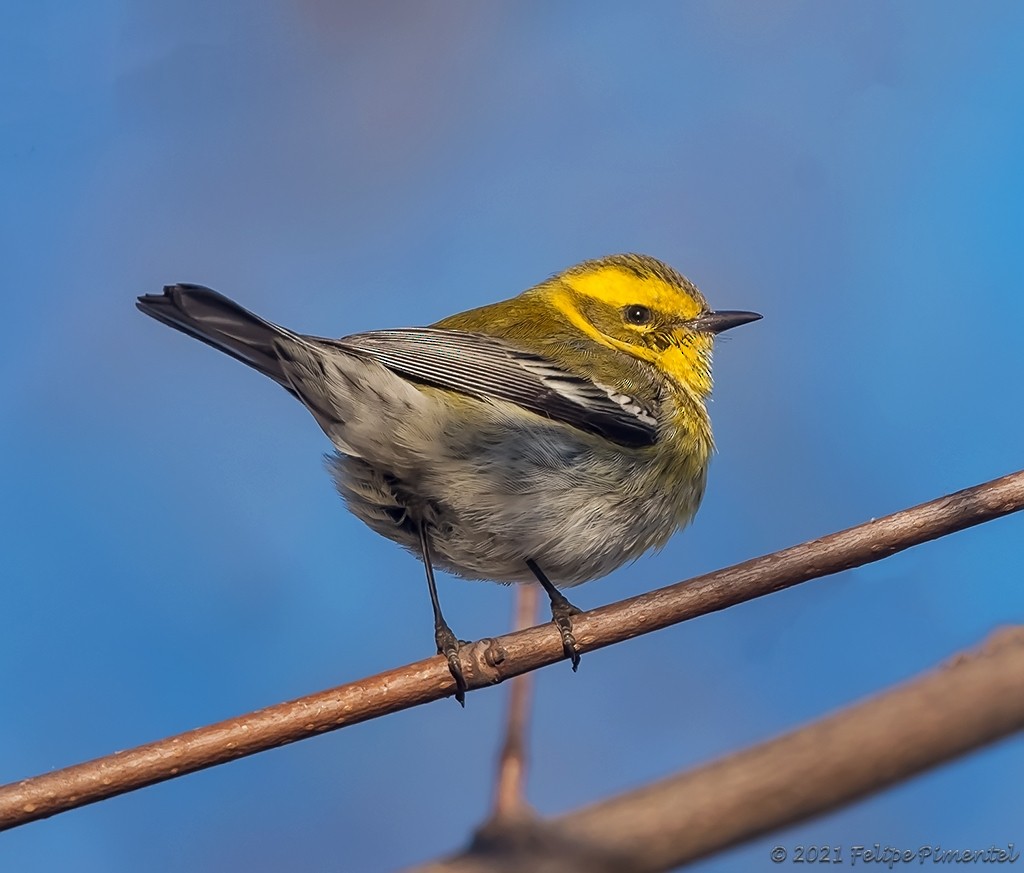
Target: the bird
pixel 548 438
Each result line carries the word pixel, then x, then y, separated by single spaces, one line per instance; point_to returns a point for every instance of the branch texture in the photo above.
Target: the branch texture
pixel 491 661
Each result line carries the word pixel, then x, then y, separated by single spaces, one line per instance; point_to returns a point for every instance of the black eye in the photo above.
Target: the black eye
pixel 637 314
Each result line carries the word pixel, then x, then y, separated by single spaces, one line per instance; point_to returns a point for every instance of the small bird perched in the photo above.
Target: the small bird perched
pixel 551 437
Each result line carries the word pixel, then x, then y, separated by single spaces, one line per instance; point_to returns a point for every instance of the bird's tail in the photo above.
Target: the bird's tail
pixel 221 323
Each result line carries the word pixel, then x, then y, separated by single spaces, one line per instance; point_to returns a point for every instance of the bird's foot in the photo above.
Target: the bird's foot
pixel 448 645
pixel 562 612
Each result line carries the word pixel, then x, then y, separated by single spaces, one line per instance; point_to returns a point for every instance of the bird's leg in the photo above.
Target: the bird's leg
pixel 562 612
pixel 447 643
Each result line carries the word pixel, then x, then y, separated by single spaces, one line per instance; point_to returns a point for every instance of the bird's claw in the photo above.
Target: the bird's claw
pixel 562 617
pixel 448 645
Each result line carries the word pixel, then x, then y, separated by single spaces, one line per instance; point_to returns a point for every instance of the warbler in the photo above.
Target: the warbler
pixel 551 437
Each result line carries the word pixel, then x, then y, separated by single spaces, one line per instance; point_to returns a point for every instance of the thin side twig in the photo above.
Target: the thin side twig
pixel 510 782
pixel 490 661
pixel 974 699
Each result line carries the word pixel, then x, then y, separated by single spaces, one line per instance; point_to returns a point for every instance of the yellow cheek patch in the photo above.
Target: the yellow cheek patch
pixel 689 364
pixel 618 288
pixel 686 361
pixel 566 304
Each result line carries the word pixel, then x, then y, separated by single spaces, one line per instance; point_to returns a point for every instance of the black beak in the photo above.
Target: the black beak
pixel 716 322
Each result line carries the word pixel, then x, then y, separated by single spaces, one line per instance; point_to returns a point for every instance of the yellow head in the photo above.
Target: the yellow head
pixel 640 306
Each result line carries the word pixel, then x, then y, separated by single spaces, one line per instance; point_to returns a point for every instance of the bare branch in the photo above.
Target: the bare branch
pixel 974 699
pixel 490 661
pixel 510 789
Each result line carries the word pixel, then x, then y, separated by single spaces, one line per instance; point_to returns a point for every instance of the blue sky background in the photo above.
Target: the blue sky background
pixel 173 552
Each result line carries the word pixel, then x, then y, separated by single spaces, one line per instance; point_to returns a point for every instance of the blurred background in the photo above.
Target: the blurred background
pixel 173 552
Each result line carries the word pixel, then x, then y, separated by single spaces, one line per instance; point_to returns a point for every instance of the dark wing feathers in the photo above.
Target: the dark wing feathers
pixel 485 367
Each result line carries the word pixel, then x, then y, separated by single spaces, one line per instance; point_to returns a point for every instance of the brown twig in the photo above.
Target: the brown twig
pixel 490 661
pixel 972 700
pixel 510 785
